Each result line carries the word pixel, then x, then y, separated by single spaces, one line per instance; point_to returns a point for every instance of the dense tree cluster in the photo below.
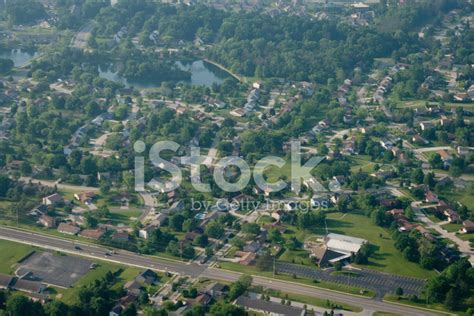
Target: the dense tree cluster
pixel 24 11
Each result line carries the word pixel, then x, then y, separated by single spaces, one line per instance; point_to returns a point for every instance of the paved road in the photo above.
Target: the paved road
pixel 429 149
pixel 98 252
pixel 52 184
pixel 194 270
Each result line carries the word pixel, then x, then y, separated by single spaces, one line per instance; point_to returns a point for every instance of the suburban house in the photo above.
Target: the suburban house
pixel 53 199
pixel 92 233
pixel 453 216
pixel 121 237
pixel 430 197
pixel 217 289
pixel 146 231
pixel 267 307
pixel 335 248
pixel 84 197
pixel 468 227
pixel 47 221
pixel 68 228
pixel 445 157
pixel 147 277
pixel 5 281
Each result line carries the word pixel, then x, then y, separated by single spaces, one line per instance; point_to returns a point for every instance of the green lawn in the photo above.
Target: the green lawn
pixel 465 197
pixel 361 162
pixel 70 296
pixel 273 173
pixel 315 301
pixel 10 254
pixel 385 258
pixel 404 300
pixel 452 227
pixel 265 219
pixel 123 216
pixel 296 256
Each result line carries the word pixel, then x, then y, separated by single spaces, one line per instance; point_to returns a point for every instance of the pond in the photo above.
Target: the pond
pixel 19 57
pixel 202 74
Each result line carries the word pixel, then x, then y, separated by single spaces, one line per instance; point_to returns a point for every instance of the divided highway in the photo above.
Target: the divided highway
pixel 195 270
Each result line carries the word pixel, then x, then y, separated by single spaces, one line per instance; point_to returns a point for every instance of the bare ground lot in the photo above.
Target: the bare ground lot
pixel 49 268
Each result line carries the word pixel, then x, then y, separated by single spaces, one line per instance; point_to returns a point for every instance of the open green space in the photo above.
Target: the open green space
pixel 361 162
pixel 385 257
pixel 464 196
pixel 451 227
pixel 125 274
pixel 420 303
pixel 315 301
pixel 10 254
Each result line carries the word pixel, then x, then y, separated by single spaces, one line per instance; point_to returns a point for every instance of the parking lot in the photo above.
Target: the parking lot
pixel 53 269
pixel 381 283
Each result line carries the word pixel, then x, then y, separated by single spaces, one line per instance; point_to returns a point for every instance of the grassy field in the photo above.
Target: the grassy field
pixel 273 173
pixel 465 197
pixel 321 284
pixel 70 296
pixel 10 254
pixel 452 227
pixel 403 300
pixel 126 274
pixel 315 301
pixel 361 162
pixel 385 258
pixel 123 216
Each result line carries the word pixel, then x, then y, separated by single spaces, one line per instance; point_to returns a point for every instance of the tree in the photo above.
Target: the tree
pixel 226 309
pixel 5 65
pixel 56 308
pixel 4 185
pixel 214 230
pixel 201 240
pixel 240 286
pixel 176 222
pixel 251 228
pixel 452 299
pixel 435 161
pixel 130 310
pixel 21 305
pixel 399 291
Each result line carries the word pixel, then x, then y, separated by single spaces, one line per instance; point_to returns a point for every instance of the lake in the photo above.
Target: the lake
pixel 202 74
pixel 19 57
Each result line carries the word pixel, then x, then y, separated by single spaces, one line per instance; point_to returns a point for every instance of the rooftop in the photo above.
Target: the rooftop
pixel 344 244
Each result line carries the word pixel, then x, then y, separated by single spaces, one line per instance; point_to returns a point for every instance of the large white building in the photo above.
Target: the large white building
pixel 335 248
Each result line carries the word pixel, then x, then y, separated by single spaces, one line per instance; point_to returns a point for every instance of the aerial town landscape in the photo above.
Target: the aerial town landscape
pixel 236 157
